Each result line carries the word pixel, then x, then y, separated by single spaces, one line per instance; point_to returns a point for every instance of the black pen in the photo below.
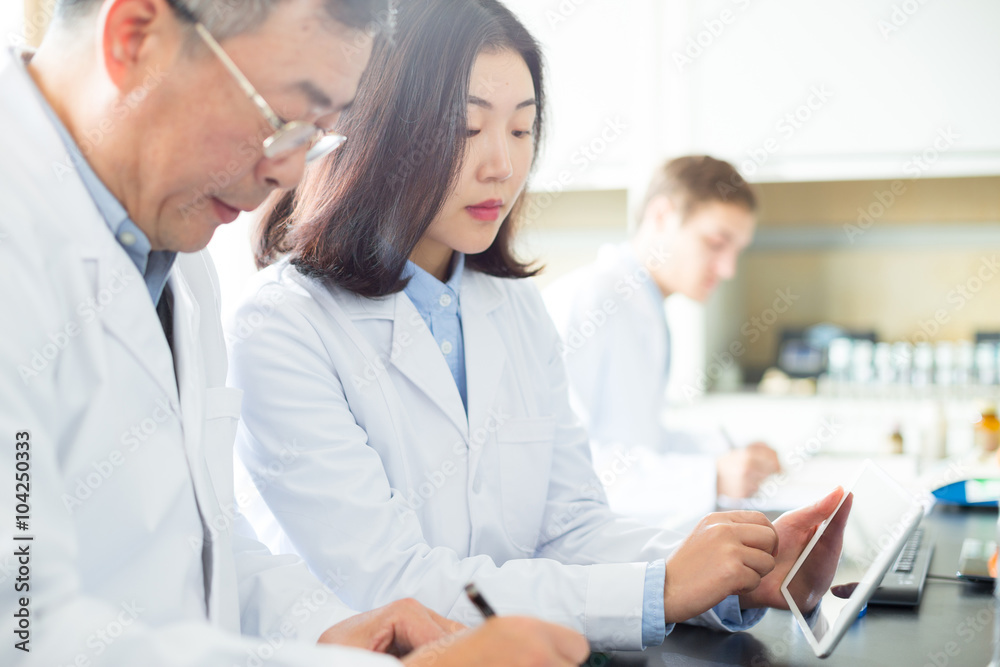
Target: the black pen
pixel 476 598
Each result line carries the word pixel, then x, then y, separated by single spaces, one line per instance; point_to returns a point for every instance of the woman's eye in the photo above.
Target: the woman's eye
pixel 471 133
pixel 521 133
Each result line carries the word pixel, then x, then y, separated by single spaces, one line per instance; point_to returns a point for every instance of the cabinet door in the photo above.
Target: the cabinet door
pixel 602 60
pixel 806 90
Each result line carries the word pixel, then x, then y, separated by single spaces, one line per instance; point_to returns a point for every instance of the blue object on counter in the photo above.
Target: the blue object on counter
pixel 970 493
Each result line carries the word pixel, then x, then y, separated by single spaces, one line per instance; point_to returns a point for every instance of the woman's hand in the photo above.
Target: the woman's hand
pixel 795 529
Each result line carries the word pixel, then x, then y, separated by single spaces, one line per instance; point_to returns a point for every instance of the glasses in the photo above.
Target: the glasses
pixel 287 137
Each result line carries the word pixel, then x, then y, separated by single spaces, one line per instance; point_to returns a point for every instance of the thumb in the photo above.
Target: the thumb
pixel 814 514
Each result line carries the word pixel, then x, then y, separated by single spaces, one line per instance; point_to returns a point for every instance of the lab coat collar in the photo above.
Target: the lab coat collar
pixel 416 355
pixel 74 228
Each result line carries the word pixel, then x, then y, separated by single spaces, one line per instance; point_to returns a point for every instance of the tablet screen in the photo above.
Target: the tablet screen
pixel 878 515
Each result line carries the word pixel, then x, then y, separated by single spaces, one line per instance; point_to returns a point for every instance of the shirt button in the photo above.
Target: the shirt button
pixel 445 300
pixel 446 347
pixel 127 238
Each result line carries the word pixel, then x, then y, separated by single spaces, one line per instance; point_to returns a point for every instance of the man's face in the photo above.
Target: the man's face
pixel 704 248
pixel 199 159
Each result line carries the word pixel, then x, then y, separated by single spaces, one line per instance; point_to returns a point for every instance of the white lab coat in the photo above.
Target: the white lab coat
pixel 124 466
pixel 616 348
pixel 355 433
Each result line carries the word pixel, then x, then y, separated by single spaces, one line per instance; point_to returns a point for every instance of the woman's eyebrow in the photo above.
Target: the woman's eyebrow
pixel 480 102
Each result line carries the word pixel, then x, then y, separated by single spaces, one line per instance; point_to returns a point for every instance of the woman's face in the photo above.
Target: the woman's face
pixel 498 155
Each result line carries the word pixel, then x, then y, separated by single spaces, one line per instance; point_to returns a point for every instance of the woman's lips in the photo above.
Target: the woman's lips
pixel 487 211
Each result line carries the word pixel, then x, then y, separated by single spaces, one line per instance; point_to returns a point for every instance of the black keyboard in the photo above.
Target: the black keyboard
pixel 903 584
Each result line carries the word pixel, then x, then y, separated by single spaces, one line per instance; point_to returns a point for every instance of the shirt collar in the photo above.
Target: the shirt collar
pixel 132 239
pixel 425 290
pixel 650 288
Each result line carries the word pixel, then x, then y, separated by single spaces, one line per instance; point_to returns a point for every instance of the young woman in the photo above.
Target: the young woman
pixel 406 415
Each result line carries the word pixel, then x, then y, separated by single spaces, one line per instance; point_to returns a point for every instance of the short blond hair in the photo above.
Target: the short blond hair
pixel 694 180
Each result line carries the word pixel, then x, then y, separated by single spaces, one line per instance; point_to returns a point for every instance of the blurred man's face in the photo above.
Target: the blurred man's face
pixel 704 248
pixel 200 162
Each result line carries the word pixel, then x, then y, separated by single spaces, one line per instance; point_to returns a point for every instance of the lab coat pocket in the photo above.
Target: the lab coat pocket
pixel 525 447
pixel 222 414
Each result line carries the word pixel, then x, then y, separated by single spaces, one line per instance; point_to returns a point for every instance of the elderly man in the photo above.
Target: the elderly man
pixel 137 128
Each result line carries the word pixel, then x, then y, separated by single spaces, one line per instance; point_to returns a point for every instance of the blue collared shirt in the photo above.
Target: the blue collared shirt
pixel 153 265
pixel 438 305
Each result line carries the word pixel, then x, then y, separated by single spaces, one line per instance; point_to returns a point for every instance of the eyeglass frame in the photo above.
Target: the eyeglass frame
pixel 281 128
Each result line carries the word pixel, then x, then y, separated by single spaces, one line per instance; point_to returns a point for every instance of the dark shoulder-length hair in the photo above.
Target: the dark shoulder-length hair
pixel 358 214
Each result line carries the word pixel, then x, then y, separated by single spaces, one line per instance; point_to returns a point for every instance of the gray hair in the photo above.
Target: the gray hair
pixel 228 18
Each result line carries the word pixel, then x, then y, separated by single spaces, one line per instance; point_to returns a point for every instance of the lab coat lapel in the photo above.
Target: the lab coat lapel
pixel 131 317
pixel 118 298
pixel 421 361
pixel 485 352
pixel 191 380
pixel 189 371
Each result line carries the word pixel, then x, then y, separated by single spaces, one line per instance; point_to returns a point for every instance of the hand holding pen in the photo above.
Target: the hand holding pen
pixel 742 469
pixel 560 646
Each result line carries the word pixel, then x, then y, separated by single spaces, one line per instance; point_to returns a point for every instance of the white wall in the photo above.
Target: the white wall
pixel 11 22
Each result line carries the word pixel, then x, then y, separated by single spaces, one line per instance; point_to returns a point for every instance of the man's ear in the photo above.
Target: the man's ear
pixel 662 214
pixel 126 30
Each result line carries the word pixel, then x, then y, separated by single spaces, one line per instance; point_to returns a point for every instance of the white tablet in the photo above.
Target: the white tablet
pixel 880 515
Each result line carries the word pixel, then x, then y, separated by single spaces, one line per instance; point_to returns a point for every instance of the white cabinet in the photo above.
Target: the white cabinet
pixel 803 90
pixel 602 68
pixel 787 89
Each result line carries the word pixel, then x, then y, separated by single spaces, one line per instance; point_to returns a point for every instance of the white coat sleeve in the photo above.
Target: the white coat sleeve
pixel 579 526
pixel 331 495
pixel 66 617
